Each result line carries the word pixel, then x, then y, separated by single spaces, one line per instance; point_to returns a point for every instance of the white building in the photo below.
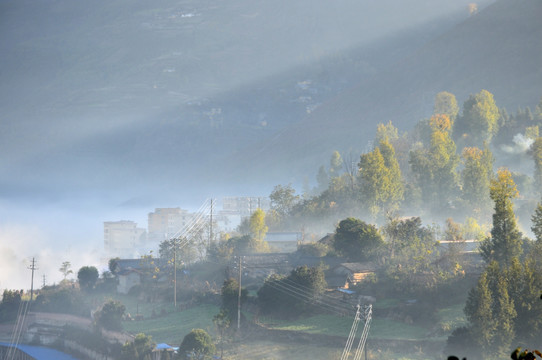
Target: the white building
pixel 123 238
pixel 164 223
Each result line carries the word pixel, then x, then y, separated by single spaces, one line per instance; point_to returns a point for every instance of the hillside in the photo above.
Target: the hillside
pixel 129 95
pixel 498 49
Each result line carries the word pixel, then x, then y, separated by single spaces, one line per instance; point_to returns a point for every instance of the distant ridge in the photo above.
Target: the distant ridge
pixel 498 49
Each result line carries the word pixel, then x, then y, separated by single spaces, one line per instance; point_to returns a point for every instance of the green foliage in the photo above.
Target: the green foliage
pixel 453 255
pixel 313 249
pixel 230 297
pixel 504 307
pixel 196 344
pixel 283 199
pixel 356 240
pixel 87 277
pixel 476 177
pixel 140 349
pixel 64 300
pixel 506 241
pixel 434 168
pixel 110 315
pixel 537 223
pixel 446 104
pixel 238 245
pixel 113 265
pixel 257 225
pixel 374 180
pixel 410 265
pixel 536 153
pixel 396 187
pixel 335 164
pixel 222 322
pixel 185 249
pixel 322 179
pixel 294 294
pixel 92 339
pixel 65 269
pixel 479 122
pixel 11 301
pixel 525 354
pixel 386 132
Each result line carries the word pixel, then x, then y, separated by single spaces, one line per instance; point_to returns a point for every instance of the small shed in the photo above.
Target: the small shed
pixel 354 272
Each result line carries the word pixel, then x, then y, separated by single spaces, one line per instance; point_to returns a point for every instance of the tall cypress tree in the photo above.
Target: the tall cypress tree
pixel 505 242
pixel 537 223
pixel 478 310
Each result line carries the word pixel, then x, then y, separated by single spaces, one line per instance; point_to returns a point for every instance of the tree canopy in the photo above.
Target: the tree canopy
pixel 197 343
pixel 356 239
pixel 506 241
pixel 87 277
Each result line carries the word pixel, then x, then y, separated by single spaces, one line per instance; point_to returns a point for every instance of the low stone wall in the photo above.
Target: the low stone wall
pixel 75 348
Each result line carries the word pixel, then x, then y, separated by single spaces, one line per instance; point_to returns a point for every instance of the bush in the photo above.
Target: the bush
pixel 62 300
pixel 110 315
pixel 197 342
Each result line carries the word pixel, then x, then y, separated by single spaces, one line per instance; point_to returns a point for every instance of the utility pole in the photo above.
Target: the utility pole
pixel 211 225
pixel 44 280
pixel 33 268
pixel 239 296
pixel 175 273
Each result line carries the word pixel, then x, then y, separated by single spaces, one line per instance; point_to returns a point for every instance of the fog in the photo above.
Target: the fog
pixel 90 93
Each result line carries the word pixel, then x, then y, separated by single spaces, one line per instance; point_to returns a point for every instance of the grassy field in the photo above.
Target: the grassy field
pixel 170 327
pixel 175 325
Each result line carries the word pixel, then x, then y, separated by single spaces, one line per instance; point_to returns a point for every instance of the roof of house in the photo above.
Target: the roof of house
pixel 42 353
pixel 358 267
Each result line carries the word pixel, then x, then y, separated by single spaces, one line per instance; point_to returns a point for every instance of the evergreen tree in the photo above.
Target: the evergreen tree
pixel 504 315
pixel 536 152
pixel 505 242
pixel 478 310
pixel 537 223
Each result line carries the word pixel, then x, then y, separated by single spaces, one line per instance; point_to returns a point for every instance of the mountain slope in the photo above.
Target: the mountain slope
pixel 124 94
pixel 499 49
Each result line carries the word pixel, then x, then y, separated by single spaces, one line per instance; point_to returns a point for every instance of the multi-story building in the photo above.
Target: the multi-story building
pixel 244 205
pixel 123 238
pixel 165 223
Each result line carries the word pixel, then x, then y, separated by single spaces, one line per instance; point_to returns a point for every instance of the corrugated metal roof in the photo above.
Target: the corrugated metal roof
pixel 42 353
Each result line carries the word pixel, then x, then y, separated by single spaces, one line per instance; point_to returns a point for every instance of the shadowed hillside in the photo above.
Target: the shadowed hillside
pixel 498 49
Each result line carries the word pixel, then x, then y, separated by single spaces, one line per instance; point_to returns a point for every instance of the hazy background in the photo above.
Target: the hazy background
pixel 112 108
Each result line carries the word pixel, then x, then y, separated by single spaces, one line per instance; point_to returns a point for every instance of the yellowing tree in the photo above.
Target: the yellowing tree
pixel 374 180
pixel 446 104
pixel 434 169
pixel 257 225
pixel 506 241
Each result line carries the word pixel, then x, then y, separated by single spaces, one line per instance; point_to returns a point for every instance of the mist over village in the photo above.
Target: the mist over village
pixel 271 179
